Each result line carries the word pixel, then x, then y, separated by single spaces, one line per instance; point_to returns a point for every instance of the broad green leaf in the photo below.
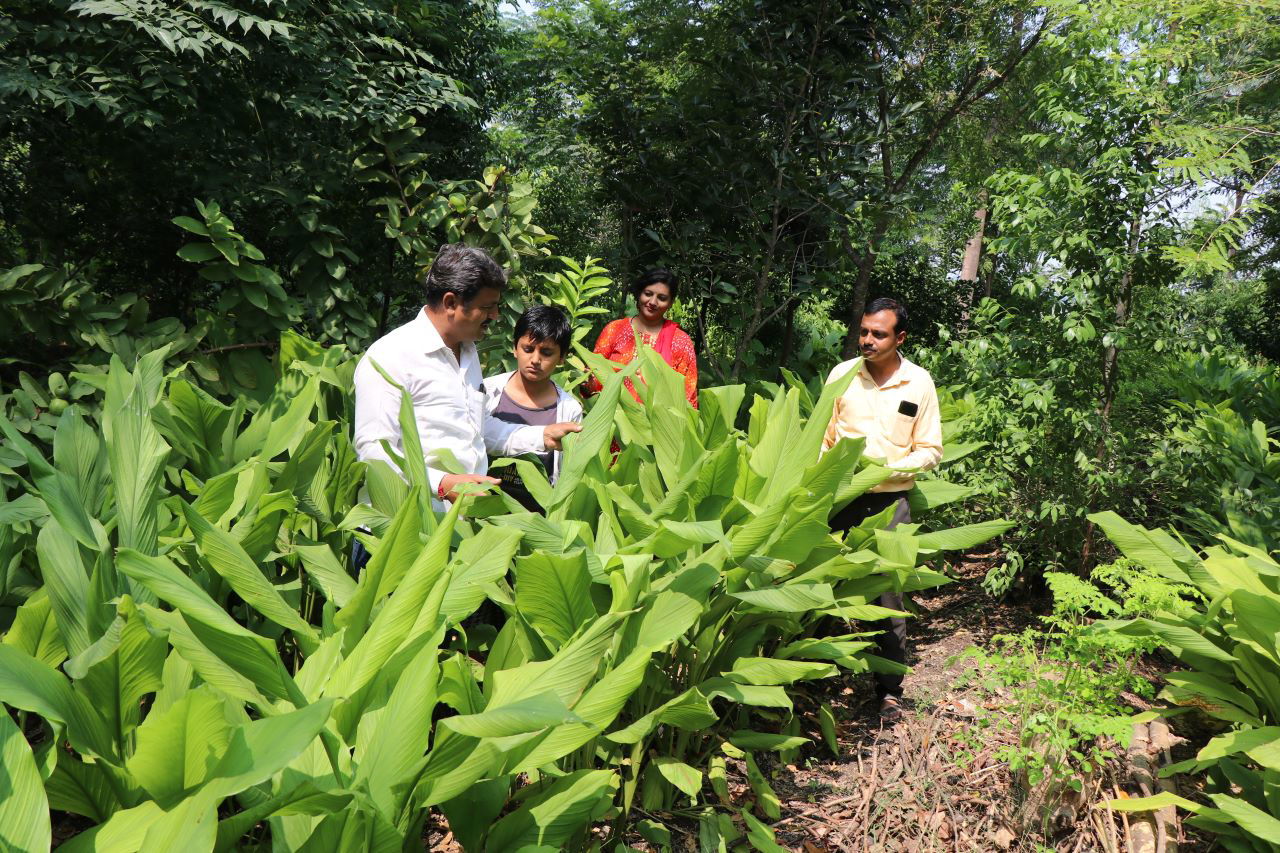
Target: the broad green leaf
pixel 29 685
pixel 766 798
pixel 682 776
pixel 757 670
pixel 1248 817
pixel 67 583
pixel 82 789
pixel 122 667
pixel 598 707
pixel 815 429
pixel 238 569
pixel 761 836
pixel 35 630
pixel 58 490
pixel 136 453
pixel 241 665
pixel 1155 550
pixel 1244 740
pixel 24 808
pixel 387 757
pixel 763 696
pixel 789 598
pixel 477 563
pixel 411 610
pixel 553 815
pixel 568 673
pixel 261 748
pixel 323 567
pixel 1150 804
pixel 399 548
pixel 748 740
pixel 960 538
pixel 675 437
pixel 827 722
pixel 553 593
pixel 858 483
pixel 597 429
pixel 178 749
pixel 191 826
pixel 1215 696
pixel 676 608
pixel 525 715
pixel 23 508
pixel 673 538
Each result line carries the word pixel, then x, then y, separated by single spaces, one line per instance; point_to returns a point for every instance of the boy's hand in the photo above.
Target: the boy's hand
pixel 449 483
pixel 552 434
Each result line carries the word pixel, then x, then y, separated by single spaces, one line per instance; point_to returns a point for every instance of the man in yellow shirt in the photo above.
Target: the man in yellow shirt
pixel 893 404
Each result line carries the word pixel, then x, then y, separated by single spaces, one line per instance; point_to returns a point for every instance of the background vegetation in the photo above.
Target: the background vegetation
pixel 1076 200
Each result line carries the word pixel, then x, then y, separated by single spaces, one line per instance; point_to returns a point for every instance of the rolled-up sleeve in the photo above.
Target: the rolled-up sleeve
pixel 506 439
pixel 378 420
pixel 377 415
pixel 832 435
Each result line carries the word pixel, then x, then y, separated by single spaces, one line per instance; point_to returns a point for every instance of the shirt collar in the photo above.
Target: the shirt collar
pixel 425 332
pixel 899 376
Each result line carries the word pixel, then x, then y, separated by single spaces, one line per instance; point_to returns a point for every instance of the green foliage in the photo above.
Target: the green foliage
pixel 187 621
pixel 1059 687
pixel 1227 646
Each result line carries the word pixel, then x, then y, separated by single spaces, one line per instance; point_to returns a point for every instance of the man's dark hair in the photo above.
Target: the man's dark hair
pixel 884 303
pixel 464 271
pixel 545 323
pixel 659 275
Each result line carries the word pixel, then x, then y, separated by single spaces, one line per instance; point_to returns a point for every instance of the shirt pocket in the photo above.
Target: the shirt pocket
pixel 901 429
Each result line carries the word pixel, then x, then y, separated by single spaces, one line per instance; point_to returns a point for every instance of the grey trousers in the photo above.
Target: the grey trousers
pixel 892 641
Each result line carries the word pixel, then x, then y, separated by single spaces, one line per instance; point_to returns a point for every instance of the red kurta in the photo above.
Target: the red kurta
pixel 617 342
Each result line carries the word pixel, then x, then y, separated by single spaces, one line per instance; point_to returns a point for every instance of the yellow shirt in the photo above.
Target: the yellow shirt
pixel 871 411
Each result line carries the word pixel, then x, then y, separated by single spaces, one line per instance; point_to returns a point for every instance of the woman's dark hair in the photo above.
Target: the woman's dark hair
pixel 884 303
pixel 656 276
pixel 464 271
pixel 545 323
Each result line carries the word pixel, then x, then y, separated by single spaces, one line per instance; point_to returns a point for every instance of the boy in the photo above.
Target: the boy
pixel 527 396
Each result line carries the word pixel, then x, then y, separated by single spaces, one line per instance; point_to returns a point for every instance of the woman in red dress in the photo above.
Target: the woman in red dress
pixel 654 293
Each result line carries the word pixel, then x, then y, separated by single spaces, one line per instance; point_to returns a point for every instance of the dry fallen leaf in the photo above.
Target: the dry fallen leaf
pixel 1003 838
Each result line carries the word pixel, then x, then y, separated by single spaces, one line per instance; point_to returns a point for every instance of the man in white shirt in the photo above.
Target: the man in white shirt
pixel 893 404
pixel 434 358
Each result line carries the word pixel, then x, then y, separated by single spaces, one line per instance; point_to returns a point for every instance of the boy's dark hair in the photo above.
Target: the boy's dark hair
pixel 884 303
pixel 545 323
pixel 659 275
pixel 461 270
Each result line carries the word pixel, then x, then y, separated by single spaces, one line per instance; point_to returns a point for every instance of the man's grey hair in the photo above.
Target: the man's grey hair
pixel 464 271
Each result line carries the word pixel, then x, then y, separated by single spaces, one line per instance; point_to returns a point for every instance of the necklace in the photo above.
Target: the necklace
pixel 649 338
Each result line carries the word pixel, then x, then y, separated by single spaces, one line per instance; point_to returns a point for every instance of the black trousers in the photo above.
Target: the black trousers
pixel 892 641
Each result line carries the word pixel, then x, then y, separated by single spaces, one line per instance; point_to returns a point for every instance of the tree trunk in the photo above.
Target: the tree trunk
pixel 861 285
pixel 1111 371
pixel 387 291
pixel 788 336
pixel 971 262
pixel 969 266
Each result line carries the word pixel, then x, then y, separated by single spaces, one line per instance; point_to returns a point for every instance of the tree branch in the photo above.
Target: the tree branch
pixel 963 99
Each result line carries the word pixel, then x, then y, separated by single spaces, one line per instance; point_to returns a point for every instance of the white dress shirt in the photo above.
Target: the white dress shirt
pixel 448 404
pixel 871 411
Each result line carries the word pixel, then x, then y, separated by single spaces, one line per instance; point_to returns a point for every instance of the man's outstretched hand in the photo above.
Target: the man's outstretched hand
pixel 553 433
pixel 449 483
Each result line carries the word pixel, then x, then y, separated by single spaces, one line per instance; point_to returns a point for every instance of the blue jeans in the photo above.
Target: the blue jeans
pixel 359 556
